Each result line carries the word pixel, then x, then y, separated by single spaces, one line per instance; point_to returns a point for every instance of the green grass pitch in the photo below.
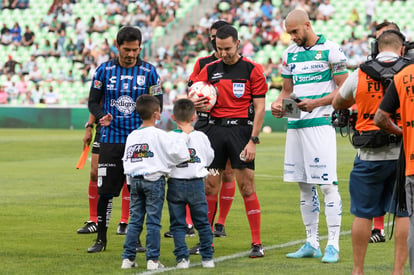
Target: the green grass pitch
pixel 44 200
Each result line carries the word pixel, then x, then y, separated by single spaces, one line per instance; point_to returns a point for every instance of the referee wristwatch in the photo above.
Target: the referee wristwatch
pixel 255 140
pixel 87 125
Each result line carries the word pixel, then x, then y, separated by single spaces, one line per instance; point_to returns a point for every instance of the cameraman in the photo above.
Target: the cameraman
pixel 373 176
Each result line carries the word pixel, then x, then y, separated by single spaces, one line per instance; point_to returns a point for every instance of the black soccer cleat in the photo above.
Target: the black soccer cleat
pixel 190 231
pixel 257 251
pixel 89 227
pixel 122 228
pixel 98 246
pixel 219 230
pixel 195 250
pixel 376 236
pixel 139 248
pixel 168 234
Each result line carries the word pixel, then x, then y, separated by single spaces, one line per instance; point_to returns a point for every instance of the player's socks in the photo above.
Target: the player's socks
pixel 125 204
pixel 188 219
pixel 226 199
pixel 104 215
pixel 212 208
pixel 333 212
pixel 379 224
pixel 252 206
pixel 93 200
pixel 309 207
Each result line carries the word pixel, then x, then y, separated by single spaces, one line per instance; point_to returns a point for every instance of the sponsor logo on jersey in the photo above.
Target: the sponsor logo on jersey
pixel 110 68
pixel 145 69
pixel 193 159
pixel 112 79
pixel 97 84
pixel 141 80
pixel 217 75
pixel 110 87
pixel 137 152
pixel 124 104
pixel 238 89
pixel 129 77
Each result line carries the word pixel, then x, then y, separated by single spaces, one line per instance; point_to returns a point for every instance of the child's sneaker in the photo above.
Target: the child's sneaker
pixel 208 264
pixel 306 251
pixel 154 265
pixel 331 255
pixel 127 263
pixel 184 263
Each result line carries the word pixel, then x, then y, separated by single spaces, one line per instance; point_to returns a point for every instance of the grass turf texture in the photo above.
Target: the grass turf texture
pixel 44 200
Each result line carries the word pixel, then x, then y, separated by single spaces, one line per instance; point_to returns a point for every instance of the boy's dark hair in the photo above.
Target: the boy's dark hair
pixel 227 31
pixel 146 106
pixel 183 109
pixel 128 33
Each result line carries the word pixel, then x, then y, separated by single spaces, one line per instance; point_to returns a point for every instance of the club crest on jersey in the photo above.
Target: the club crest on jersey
pixel 97 84
pixel 141 80
pixel 318 55
pixel 238 89
pixel 124 104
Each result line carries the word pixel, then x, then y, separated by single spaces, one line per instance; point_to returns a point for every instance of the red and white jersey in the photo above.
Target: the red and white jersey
pixel 152 152
pixel 236 84
pixel 201 155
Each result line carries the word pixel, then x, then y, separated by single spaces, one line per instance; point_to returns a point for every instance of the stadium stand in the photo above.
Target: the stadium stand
pixel 175 35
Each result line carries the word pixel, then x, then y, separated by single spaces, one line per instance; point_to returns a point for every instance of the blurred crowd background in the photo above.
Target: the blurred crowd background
pixel 49 49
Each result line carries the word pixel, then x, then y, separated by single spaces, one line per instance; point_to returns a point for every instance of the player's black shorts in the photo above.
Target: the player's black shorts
pixel 228 142
pixel 111 176
pixel 96 143
pixel 202 123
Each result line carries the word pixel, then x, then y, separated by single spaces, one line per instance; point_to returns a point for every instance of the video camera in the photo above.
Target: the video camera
pixel 344 118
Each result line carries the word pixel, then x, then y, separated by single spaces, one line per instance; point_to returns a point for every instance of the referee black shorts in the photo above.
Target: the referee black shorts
pixel 111 176
pixel 228 142
pixel 202 123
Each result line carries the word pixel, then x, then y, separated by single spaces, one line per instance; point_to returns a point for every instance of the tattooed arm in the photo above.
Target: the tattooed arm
pixel 383 120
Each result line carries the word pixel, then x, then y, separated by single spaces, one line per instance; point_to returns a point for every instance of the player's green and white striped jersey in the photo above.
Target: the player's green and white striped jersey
pixel 312 70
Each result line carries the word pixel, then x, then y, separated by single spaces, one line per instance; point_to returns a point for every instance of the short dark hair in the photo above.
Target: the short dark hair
pixel 387 24
pixel 183 109
pixel 146 105
pixel 128 33
pixel 216 25
pixel 227 31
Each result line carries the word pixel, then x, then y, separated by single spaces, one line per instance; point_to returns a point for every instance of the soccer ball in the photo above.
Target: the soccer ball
pixel 201 89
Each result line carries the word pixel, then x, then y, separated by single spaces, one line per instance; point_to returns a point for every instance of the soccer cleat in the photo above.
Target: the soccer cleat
pixel 127 263
pixel 306 251
pixel 122 228
pixel 190 231
pixel 139 247
pixel 208 264
pixel 257 251
pixel 219 230
pixel 331 255
pixel 168 234
pixel 183 264
pixel 195 250
pixel 89 227
pixel 98 246
pixel 376 237
pixel 154 265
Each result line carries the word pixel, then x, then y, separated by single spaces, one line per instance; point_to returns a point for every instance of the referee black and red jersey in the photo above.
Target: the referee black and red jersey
pixel 199 65
pixel 120 88
pixel 236 84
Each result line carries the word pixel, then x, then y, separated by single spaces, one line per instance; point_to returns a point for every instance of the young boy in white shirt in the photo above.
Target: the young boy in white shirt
pixel 149 155
pixel 186 187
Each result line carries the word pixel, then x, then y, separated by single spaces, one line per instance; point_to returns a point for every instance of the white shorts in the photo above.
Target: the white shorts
pixel 310 155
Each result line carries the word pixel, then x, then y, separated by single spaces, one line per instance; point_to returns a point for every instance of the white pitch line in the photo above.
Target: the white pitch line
pixel 241 254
